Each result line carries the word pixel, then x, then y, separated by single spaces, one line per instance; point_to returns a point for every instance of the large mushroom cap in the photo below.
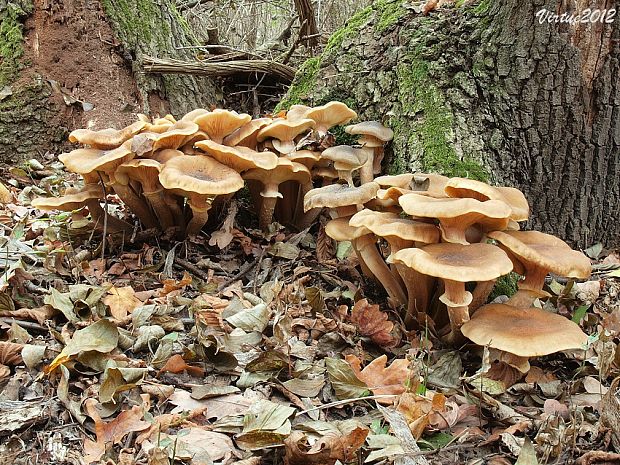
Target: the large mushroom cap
pixel 192 115
pixel 544 251
pixel 431 184
pixel 456 262
pixel 345 157
pixel 526 332
pixel 329 115
pixel 308 158
pixel 340 230
pixel 72 200
pixel 238 158
pixel 297 112
pixel 220 123
pixel 175 136
pixel 398 180
pixel 375 133
pixel 470 188
pixel 106 139
pixel 390 224
pixel 340 195
pixel 247 134
pixel 283 132
pixel 84 161
pixel 200 175
pixel 144 170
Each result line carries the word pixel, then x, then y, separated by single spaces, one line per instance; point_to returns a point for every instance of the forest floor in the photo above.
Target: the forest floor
pixel 243 347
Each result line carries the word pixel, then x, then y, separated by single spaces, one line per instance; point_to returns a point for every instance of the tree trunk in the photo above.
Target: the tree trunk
pixel 72 63
pixel 484 90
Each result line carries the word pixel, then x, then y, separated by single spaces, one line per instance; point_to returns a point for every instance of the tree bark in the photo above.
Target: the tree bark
pixel 484 90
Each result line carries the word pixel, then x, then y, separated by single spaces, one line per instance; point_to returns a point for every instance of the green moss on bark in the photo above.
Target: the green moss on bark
pixel 12 39
pixel 302 85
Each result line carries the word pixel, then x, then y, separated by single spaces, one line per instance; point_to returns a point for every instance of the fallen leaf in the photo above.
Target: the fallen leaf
pixel 344 380
pixel 10 353
pixel 333 447
pixel 176 364
pixel 122 301
pixel 171 285
pixel 527 456
pixel 417 410
pixel 224 236
pixel 380 378
pixel 373 323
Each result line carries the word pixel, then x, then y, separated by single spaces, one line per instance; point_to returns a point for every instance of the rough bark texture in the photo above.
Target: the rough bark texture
pixel 483 90
pixel 53 52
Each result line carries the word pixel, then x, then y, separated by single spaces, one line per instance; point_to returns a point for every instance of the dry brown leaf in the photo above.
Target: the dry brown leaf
pixel 224 236
pixel 171 285
pixel 122 301
pixel 504 373
pixel 39 314
pixel 599 457
pixel 610 413
pixel 374 323
pixel 176 364
pixel 5 373
pixel 329 449
pixel 324 246
pixel 162 423
pixel 113 431
pixel 380 378
pixel 538 376
pixel 10 353
pixel 417 410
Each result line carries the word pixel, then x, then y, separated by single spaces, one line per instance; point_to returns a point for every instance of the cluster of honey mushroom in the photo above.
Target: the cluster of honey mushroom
pixel 441 234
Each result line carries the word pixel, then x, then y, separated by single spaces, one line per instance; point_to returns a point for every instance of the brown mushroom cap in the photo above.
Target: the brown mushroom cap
pixel 456 262
pixel 399 180
pixel 200 175
pixel 340 230
pixel 544 251
pixel 340 195
pixel 192 115
pixel 238 158
pixel 463 187
pixel 106 139
pixel 84 161
pixel 285 170
pixel 526 332
pixel 69 201
pixel 392 193
pixel 162 156
pixel 283 132
pixel 431 184
pixel 297 112
pixel 221 123
pixel 346 160
pixel 329 115
pixel 145 171
pixel 375 134
pixel 247 134
pixel 308 158
pixel 175 136
pixel 390 224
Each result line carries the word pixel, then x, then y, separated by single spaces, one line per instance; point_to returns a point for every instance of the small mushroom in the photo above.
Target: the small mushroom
pixel 106 139
pixel 346 159
pixel 455 265
pixel 525 332
pixel 283 133
pixel 344 198
pixel 374 137
pixel 238 158
pixel 329 115
pixel 220 123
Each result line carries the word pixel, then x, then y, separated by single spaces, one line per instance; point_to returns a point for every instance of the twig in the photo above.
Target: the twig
pixel 347 401
pixel 25 324
pixel 105 215
pixel 191 268
pixel 298 40
pixel 242 272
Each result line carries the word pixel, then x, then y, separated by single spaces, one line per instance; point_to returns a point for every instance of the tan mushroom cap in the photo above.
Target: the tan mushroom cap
pixel 470 188
pixel 145 171
pixel 375 134
pixel 340 230
pixel 308 158
pixel 430 184
pixel 386 224
pixel 329 115
pixel 545 251
pixel 398 180
pixel 456 262
pixel 345 157
pixel 221 123
pixel 175 136
pixel 340 195
pixel 192 115
pixel 70 201
pixel 285 170
pixel 283 132
pixel 200 175
pixel 84 161
pixel 238 158
pixel 247 134
pixel 297 112
pixel 526 332
pixel 106 139
pixel 392 193
pixel 164 155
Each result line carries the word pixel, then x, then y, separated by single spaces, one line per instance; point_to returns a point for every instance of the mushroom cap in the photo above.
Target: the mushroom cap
pixel 246 132
pixel 330 114
pixel 238 158
pixel 398 180
pixel 200 175
pixel 192 115
pixel 526 332
pixel 221 123
pixel 284 130
pixel 297 112
pixel 144 170
pixel 285 170
pixel 308 158
pixel 431 184
pixel 106 139
pixel 545 251
pixel 456 262
pixel 345 157
pixel 340 195
pixel 175 136
pixel 340 230
pixel 71 201
pixel 373 129
pixel 494 213
pixel 392 193
pixel 162 156
pixel 84 161
pixel 470 188
pixel 386 224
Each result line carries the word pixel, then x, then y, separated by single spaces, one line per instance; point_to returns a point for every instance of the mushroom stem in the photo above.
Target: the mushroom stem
pixel 367 249
pixel 200 215
pixel 534 278
pixel 300 219
pixel 177 212
pixel 366 171
pixel 481 293
pixel 114 225
pixel 161 209
pixel 266 211
pixel 457 300
pixel 135 204
pixel 453 230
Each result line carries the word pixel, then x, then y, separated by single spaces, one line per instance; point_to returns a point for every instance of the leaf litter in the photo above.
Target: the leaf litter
pixel 256 348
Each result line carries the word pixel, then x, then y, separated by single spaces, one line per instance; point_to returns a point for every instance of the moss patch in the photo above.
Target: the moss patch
pixel 389 12
pixel 11 40
pixel 350 29
pixel 505 285
pixel 302 85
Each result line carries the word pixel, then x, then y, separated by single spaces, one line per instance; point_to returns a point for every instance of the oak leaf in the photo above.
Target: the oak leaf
pixel 373 323
pixel 122 301
pixel 380 378
pixel 332 447
pixel 418 410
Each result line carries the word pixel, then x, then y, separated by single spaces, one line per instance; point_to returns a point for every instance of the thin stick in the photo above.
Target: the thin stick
pixel 105 215
pixel 347 401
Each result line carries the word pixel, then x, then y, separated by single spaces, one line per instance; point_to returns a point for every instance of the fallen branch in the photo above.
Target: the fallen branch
pixel 219 69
